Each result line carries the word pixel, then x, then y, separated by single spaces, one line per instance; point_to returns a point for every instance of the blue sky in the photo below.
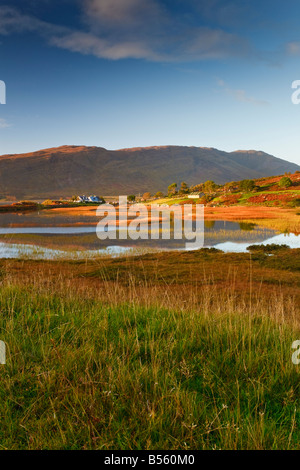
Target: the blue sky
pixel 130 73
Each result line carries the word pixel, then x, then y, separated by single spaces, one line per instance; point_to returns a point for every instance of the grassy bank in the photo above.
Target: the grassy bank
pixel 100 359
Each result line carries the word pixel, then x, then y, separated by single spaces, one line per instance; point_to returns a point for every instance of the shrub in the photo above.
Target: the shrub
pixel 295 203
pixel 247 185
pixel 271 248
pixel 210 250
pixel 285 182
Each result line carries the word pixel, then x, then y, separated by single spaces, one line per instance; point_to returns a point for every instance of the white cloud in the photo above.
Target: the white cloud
pixel 120 29
pixel 201 44
pixel 12 21
pixel 293 48
pixel 87 43
pixel 3 124
pixel 122 12
pixel 206 43
pixel 241 95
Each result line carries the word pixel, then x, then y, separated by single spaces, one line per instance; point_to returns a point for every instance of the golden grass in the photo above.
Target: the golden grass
pixel 169 351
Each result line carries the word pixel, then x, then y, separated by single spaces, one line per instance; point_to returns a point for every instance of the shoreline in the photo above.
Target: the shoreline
pixel 232 213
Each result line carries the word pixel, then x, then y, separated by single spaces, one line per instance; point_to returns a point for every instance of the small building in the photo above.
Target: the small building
pixel 94 199
pixel 195 195
pixel 84 198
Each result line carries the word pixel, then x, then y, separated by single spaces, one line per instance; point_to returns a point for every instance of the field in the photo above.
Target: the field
pixel 177 350
pixel 265 192
pixel 188 350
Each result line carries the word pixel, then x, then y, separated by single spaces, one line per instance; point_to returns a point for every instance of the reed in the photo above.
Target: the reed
pixel 139 363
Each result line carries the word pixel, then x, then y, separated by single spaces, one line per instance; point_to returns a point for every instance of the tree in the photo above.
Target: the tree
pixel 131 198
pixel 48 202
pixel 146 196
pixel 197 188
pixel 230 186
pixel 172 189
pixel 74 198
pixel 285 182
pixel 183 188
pixel 247 185
pixel 159 194
pixel 209 187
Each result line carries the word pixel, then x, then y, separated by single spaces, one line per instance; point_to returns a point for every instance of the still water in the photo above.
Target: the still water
pixel 47 236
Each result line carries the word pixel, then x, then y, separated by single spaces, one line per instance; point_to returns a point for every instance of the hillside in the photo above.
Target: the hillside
pixel 68 170
pixel 266 191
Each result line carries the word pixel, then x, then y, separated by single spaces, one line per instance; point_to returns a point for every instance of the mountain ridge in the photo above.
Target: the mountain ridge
pixel 70 169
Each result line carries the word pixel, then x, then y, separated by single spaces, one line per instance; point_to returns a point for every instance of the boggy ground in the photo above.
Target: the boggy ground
pixel 277 218
pixel 186 277
pixel 185 350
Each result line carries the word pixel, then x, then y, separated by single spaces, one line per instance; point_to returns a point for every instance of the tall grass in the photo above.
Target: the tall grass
pixel 139 368
pixel 290 223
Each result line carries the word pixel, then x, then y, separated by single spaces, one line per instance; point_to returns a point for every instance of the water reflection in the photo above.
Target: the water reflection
pixel 292 240
pixel 48 242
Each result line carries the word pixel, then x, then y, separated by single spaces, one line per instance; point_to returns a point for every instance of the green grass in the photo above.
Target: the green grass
pixel 170 201
pixel 83 374
pixel 244 197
